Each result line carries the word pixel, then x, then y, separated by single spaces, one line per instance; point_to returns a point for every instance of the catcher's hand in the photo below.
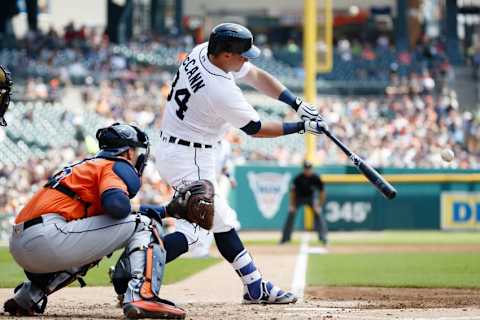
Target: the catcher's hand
pixel 6 84
pixel 194 203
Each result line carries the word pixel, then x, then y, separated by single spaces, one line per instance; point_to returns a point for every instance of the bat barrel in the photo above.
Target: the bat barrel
pixel 372 175
pixel 376 179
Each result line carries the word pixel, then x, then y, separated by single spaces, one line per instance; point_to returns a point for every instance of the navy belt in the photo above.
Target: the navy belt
pixel 31 223
pixel 186 143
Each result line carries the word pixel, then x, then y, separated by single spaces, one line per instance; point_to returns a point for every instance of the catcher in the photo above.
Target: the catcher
pixel 6 84
pixel 194 203
pixel 82 214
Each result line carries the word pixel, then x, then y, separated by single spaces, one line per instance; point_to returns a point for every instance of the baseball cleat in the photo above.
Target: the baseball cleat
pixel 120 298
pixel 14 309
pixel 153 309
pixel 271 295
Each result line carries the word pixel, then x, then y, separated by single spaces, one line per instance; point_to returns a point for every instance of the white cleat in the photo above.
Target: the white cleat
pixel 270 295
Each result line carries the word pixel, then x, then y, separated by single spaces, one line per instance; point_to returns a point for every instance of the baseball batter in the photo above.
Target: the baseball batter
pixel 203 102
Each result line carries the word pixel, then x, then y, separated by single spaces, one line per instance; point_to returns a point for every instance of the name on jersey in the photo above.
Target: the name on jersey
pixel 193 74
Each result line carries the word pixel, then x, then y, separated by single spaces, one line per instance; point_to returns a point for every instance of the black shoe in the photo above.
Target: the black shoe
pixel 14 309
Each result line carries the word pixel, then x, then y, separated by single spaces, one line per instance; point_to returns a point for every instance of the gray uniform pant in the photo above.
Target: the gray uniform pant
pixel 56 245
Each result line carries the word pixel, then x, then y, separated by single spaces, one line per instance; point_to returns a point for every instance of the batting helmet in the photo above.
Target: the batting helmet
pixel 232 37
pixel 118 138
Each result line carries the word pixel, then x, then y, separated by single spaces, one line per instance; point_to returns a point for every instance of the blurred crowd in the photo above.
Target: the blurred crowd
pixel 403 130
pixel 397 130
pixel 417 117
pixel 46 63
pixel 138 101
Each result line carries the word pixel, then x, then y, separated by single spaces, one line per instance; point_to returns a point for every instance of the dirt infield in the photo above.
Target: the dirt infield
pixel 215 294
pixel 327 303
pixel 396 298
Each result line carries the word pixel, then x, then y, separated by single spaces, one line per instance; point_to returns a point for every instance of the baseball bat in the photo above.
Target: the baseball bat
pixel 372 175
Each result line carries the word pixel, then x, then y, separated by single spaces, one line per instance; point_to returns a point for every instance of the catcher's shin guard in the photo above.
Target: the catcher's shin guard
pixel 138 275
pixel 144 264
pixel 154 266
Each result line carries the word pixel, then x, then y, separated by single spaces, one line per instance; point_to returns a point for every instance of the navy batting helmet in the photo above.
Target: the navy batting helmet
pixel 232 37
pixel 118 138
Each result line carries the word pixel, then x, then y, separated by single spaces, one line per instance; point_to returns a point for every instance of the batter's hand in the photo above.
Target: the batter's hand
pixel 316 127
pixel 306 111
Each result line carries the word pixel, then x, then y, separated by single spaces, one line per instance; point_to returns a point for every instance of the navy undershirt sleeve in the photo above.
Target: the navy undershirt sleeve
pixel 293 127
pixel 116 203
pixel 252 127
pixel 289 98
pixel 129 176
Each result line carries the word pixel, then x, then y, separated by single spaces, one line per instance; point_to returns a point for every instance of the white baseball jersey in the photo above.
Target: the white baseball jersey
pixel 203 103
pixel 204 99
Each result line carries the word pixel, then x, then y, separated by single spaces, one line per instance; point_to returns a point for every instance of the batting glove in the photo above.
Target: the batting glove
pixel 316 127
pixel 306 111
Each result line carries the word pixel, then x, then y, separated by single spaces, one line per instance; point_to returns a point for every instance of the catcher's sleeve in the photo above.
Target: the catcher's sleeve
pixel 116 203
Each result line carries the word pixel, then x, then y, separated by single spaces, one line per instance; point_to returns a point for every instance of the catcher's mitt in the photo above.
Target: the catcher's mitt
pixel 194 203
pixel 6 84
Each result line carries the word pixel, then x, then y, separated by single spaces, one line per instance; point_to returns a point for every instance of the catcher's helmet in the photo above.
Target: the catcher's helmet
pixel 118 138
pixel 232 37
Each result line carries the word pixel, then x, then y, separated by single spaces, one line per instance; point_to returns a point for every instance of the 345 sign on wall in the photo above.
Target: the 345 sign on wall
pixel 349 211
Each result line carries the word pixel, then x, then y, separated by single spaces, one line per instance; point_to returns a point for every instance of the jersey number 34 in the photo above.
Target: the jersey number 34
pixel 181 97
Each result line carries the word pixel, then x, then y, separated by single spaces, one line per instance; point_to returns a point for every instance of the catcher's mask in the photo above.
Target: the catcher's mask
pixel 6 84
pixel 118 138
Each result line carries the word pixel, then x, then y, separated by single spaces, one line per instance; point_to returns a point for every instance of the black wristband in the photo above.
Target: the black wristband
pixel 293 127
pixel 289 98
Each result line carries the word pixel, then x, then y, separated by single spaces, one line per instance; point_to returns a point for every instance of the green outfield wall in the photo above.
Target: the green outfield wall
pixel 427 198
